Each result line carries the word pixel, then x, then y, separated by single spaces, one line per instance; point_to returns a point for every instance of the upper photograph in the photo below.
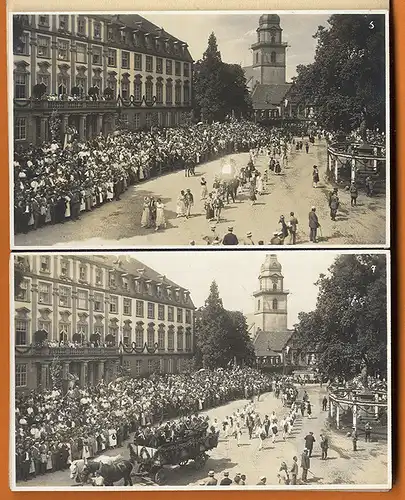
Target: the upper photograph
pixel 199 128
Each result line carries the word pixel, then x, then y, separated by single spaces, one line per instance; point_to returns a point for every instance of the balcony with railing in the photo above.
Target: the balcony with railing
pixel 67 352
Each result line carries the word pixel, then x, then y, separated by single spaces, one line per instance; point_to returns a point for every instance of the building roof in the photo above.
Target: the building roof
pixel 136 21
pixel 269 19
pixel 271 343
pixel 269 96
pixel 132 266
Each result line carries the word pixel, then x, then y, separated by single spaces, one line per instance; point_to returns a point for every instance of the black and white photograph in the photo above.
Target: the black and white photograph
pixel 162 129
pixel 183 370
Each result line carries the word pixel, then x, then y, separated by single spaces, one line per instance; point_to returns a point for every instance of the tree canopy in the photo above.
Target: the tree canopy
pixel 219 88
pixel 348 328
pixel 221 335
pixel 346 81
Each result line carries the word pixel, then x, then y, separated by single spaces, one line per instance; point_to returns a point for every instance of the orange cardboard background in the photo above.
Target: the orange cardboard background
pixel 398 332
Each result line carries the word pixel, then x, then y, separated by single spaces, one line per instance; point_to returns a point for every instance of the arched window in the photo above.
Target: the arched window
pixel 273 39
pixel 273 57
pixel 257 57
pixel 274 286
pixel 258 305
pixel 275 304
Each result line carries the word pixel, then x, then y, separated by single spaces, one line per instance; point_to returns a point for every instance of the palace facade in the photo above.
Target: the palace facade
pixel 143 75
pixel 97 317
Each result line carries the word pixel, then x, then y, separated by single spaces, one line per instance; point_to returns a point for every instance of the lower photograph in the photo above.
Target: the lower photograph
pixel 181 370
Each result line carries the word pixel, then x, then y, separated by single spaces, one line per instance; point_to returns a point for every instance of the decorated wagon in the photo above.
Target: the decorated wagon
pixel 150 462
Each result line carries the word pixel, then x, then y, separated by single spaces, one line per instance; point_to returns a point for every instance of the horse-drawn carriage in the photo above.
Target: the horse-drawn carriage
pixel 150 462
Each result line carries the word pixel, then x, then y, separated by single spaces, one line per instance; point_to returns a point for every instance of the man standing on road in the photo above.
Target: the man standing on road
pixel 353 194
pixel 313 225
pixel 324 403
pixel 367 429
pixel 334 204
pixel 309 443
pixel 293 228
pixel 324 447
pixel 294 471
pixel 230 238
pixel 354 437
pixel 305 465
pixel 189 202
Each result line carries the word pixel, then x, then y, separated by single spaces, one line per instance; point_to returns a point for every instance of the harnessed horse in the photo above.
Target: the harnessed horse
pixel 111 473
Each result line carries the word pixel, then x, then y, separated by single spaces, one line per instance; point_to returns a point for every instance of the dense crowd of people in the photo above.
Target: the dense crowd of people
pixel 53 429
pixel 54 184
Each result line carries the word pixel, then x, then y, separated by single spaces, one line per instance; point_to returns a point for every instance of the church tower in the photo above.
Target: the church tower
pixel 269 52
pixel 271 298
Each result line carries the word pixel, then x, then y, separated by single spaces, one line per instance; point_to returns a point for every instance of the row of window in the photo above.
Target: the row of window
pixel 21 369
pixel 21 87
pixel 63 49
pixel 65 300
pixel 94 29
pixel 65 334
pixel 100 277
pixel 162 119
pixel 274 304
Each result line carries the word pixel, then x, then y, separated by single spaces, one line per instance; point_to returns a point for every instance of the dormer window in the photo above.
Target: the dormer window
pixel 125 284
pixel 111 278
pixel 64 268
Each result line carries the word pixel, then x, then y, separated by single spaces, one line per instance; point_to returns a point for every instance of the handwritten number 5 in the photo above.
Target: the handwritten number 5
pixel 371 25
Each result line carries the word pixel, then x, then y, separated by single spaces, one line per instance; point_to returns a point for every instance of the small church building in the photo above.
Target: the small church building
pixel 274 343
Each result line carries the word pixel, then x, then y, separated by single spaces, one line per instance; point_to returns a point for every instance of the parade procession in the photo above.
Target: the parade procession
pixel 146 353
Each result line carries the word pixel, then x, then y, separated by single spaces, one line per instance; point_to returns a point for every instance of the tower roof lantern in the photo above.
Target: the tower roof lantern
pixel 269 19
pixel 271 264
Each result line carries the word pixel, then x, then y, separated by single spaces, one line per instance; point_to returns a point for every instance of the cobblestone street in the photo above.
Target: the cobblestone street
pixel 118 223
pixel 366 466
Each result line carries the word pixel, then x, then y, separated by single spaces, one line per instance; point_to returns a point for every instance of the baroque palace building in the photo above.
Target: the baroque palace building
pixel 148 72
pixel 97 316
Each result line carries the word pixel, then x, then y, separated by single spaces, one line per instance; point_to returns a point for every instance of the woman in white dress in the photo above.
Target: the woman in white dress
pixel 181 205
pixel 67 211
pixel 259 185
pixel 110 191
pixel 160 214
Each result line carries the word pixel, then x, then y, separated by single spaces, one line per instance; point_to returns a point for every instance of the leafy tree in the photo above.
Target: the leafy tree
pixel 208 87
pixel 235 95
pixel 219 88
pixel 221 335
pixel 348 328
pixel 346 81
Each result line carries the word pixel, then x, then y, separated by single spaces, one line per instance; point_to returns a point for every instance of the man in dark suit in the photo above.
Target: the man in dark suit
pixel 305 465
pixel 313 225
pixel 230 238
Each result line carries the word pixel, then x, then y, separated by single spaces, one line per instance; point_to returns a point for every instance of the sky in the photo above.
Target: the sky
pixel 236 32
pixel 236 274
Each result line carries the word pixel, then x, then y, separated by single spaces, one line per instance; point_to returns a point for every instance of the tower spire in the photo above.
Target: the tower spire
pixel 269 52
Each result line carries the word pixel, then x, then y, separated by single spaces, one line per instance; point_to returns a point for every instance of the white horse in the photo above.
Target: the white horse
pixel 77 466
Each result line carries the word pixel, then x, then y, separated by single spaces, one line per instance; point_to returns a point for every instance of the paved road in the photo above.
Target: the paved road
pixel 117 224
pixel 366 466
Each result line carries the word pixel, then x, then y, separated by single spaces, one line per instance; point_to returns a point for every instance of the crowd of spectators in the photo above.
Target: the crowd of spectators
pixel 54 184
pixel 52 429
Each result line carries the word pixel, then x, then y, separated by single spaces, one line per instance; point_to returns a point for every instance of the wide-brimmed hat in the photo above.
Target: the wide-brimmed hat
pixel 230 228
pixel 211 473
pixel 249 234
